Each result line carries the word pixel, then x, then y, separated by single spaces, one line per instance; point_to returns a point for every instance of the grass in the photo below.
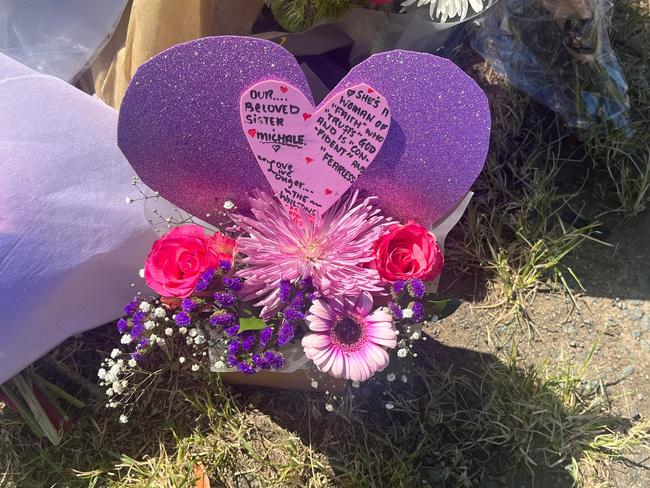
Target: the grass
pixel 530 208
pixel 491 421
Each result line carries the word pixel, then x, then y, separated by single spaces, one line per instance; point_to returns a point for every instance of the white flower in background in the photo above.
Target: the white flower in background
pixel 329 407
pixel 101 373
pixel 407 313
pixel 141 273
pixel 390 406
pixel 123 419
pixel 145 306
pixel 149 324
pixel 160 312
pixel 126 339
pixel 132 363
pixel 390 376
pixel 195 367
pixel 402 353
pixel 169 331
pixel 181 359
pixel 447 9
pixel 115 353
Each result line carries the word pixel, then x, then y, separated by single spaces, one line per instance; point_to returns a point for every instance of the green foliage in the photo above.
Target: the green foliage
pixel 251 323
pixel 298 15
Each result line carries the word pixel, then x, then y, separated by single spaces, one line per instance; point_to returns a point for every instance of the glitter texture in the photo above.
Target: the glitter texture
pixel 179 126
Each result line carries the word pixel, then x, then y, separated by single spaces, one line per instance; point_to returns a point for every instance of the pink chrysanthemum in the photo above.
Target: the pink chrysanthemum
pixel 347 342
pixel 332 249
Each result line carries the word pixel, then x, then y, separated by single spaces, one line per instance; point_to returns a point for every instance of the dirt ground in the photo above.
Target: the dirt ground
pixel 613 312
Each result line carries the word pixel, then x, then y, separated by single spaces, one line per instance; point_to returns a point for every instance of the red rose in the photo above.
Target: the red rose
pixel 407 251
pixel 179 258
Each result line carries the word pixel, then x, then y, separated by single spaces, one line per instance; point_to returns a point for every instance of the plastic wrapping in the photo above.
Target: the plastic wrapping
pixel 69 246
pixel 558 53
pixel 54 37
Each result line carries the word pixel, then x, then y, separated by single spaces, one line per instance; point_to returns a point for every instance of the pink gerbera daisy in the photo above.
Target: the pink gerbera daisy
pixel 332 249
pixel 347 341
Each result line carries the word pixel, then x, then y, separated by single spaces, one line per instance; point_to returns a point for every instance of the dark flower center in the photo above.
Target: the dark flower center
pixel 348 332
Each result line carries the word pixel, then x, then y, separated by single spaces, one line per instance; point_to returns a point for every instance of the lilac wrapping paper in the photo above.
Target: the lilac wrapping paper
pixel 69 246
pixel 179 126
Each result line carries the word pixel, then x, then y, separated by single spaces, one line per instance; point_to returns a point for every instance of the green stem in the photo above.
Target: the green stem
pixel 26 390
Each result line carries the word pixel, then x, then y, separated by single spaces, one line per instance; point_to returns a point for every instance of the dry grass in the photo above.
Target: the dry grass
pixel 489 421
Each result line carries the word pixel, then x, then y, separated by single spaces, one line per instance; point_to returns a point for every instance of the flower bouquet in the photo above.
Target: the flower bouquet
pixel 307 244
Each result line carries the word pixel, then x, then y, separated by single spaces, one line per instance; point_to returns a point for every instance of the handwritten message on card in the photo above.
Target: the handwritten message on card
pixel 311 156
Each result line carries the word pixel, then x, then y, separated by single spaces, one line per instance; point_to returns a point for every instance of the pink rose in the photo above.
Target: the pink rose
pixel 407 251
pixel 179 258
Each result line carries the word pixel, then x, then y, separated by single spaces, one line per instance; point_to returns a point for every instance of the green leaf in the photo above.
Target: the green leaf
pixel 251 323
pixel 441 307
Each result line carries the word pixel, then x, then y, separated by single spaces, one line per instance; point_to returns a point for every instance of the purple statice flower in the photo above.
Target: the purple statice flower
pixel 297 300
pixel 285 291
pixel 307 285
pixel 293 315
pixel 232 330
pixel 395 310
pixel 223 319
pixel 231 360
pixel 182 319
pixel 398 286
pixel 140 317
pixel 188 305
pixel 143 343
pixel 416 288
pixel 285 334
pixel 205 280
pixel 224 299
pixel 201 285
pixel 137 330
pixel 233 284
pixel 248 343
pixel 131 307
pixel 136 356
pixel 233 346
pixel 259 361
pixel 274 359
pixel 122 325
pixel 225 265
pixel 245 368
pixel 418 312
pixel 265 336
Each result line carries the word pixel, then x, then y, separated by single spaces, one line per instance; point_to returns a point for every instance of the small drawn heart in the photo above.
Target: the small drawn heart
pixel 346 146
pixel 284 89
pixel 370 90
pixel 252 132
